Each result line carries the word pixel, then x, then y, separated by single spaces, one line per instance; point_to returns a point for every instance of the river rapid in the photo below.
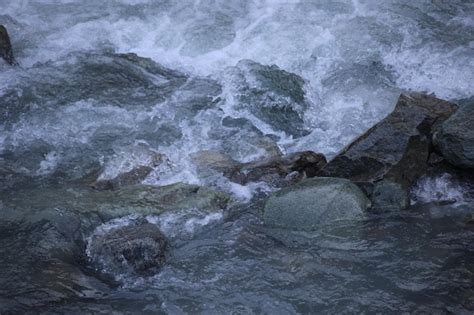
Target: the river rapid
pixel 104 86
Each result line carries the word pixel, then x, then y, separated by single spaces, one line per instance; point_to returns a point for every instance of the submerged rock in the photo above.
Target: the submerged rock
pixel 128 167
pixel 455 138
pixel 6 51
pixel 388 159
pixel 138 248
pixel 277 170
pixel 314 202
pixel 273 95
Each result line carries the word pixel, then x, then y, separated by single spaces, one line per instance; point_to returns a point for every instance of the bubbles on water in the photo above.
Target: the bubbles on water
pixel 352 57
pixel 441 188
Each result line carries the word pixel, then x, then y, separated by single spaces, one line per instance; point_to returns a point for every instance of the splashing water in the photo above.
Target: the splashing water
pixel 106 86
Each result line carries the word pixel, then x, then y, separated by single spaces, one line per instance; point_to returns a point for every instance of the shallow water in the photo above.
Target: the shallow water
pixel 247 78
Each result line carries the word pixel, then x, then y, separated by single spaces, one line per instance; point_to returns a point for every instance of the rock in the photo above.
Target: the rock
pixel 315 202
pixel 213 160
pixel 455 138
pixel 128 167
pixel 274 170
pixel 139 248
pixel 273 95
pixel 6 51
pixel 146 199
pixel 388 195
pixel 395 151
pixel 242 139
pixel 469 219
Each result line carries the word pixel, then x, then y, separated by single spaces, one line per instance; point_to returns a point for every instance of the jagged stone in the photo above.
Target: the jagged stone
pixel 396 150
pixel 6 51
pixel 455 138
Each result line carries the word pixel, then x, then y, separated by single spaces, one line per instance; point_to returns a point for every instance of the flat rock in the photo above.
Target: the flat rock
pixel 315 202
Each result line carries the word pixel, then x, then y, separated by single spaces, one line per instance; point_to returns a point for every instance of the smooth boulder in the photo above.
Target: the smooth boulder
pixel 315 202
pixel 455 139
pixel 6 51
pixel 395 152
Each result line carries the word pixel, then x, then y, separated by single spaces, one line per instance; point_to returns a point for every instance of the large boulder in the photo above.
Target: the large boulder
pixel 455 138
pixel 6 51
pixel 137 248
pixel 315 202
pixel 388 159
pixel 276 170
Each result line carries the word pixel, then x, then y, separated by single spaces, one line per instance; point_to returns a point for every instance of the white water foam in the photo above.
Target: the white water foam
pixel 355 56
pixel 442 188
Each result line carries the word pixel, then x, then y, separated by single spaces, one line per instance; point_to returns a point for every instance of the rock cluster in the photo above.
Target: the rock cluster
pixel 276 170
pixel 388 159
pixel 385 162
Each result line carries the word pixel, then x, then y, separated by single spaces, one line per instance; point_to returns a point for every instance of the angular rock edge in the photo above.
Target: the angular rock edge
pixel 6 51
pixel 390 157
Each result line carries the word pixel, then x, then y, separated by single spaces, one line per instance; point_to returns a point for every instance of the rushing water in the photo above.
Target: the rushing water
pixel 248 78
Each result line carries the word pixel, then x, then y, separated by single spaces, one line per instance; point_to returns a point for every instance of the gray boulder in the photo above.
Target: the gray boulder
pixel 6 51
pixel 393 153
pixel 138 248
pixel 315 202
pixel 455 138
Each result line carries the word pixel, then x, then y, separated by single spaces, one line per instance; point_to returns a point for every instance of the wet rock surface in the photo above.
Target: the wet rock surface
pixel 315 202
pixel 455 138
pixel 130 166
pixel 136 248
pixel 278 170
pixel 273 95
pixel 6 51
pixel 395 151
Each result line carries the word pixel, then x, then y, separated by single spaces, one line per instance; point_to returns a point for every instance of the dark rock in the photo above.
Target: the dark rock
pixel 314 202
pixel 395 151
pixel 275 170
pixel 273 95
pixel 435 159
pixel 138 248
pixel 469 219
pixel 6 51
pixel 388 195
pixel 455 138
